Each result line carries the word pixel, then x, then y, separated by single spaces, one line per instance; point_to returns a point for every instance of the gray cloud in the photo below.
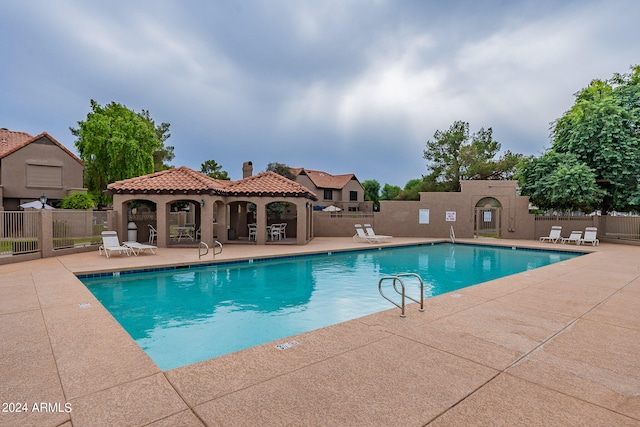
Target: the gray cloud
pixel 342 86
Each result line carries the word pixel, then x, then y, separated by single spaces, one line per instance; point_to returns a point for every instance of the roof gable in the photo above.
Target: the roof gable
pixel 188 181
pixel 326 180
pixel 175 180
pixel 268 184
pixel 12 141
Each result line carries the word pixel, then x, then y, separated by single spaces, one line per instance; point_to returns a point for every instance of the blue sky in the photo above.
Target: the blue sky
pixel 341 86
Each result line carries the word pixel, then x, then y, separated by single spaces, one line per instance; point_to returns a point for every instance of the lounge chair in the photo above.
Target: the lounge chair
pixel 110 243
pixel 369 230
pixel 590 236
pixel 362 237
pixel 138 248
pixel 574 237
pixel 554 235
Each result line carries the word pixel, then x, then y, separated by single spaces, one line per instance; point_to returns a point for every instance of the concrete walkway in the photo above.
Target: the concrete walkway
pixel 555 346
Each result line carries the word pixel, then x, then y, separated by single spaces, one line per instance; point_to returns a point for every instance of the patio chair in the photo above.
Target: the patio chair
pixel 554 235
pixel 362 237
pixel 153 233
pixel 253 230
pixel 110 243
pixel 283 230
pixel 369 230
pixel 274 231
pixel 590 236
pixel 574 237
pixel 138 248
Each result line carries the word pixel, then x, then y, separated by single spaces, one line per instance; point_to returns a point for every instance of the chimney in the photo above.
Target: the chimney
pixel 247 169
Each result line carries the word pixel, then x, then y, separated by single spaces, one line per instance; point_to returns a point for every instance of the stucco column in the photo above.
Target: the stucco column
pixel 261 223
pixel 222 221
pixel 301 223
pixel 46 233
pixel 162 224
pixel 206 222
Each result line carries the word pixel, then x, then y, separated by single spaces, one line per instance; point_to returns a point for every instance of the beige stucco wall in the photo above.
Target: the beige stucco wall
pixel 402 218
pixel 13 174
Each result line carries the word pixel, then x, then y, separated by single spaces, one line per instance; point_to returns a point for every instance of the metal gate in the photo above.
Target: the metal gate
pixel 487 222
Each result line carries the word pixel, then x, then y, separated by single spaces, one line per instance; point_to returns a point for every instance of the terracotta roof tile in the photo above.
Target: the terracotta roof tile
pixel 182 179
pixel 188 181
pixel 324 179
pixel 269 184
pixel 11 141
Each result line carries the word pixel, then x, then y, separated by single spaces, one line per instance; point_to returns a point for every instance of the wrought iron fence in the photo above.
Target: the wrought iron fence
pixel 19 232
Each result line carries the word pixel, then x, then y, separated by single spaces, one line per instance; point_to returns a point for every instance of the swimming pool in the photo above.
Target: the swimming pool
pixel 182 316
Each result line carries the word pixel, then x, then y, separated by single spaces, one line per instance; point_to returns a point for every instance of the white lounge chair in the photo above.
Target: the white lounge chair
pixel 138 248
pixel 369 230
pixel 110 243
pixel 590 236
pixel 362 237
pixel 574 237
pixel 554 235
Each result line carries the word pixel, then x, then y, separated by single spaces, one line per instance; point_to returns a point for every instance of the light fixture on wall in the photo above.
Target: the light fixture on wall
pixel 202 203
pixel 43 200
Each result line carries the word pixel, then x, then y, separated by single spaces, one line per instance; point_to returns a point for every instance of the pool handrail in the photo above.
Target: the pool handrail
pixel 398 279
pixel 206 247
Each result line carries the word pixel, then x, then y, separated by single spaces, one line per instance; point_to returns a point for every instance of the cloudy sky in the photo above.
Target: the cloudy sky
pixel 344 86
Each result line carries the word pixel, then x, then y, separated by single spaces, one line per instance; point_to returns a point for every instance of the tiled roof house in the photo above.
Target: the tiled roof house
pixel 344 191
pixel 222 207
pixel 34 165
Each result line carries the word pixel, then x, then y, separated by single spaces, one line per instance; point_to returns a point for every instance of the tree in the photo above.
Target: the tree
pixel 559 181
pixel 165 153
pixel 281 169
pixel 276 209
pixel 214 170
pixel 372 192
pixel 602 129
pixel 454 156
pixel 390 192
pixel 115 143
pixel 412 189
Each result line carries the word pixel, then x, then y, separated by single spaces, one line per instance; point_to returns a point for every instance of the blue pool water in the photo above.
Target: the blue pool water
pixel 182 316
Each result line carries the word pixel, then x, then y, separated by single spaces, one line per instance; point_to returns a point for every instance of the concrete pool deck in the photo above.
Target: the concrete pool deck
pixel 555 346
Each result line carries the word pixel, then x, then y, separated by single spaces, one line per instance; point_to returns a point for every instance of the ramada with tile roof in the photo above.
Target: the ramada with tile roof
pixel 34 165
pixel 220 206
pixel 344 191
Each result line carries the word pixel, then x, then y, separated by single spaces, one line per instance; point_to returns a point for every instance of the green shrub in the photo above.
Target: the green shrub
pixel 77 201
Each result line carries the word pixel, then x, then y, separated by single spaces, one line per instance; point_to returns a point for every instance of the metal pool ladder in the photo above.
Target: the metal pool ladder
pixel 204 246
pixel 398 279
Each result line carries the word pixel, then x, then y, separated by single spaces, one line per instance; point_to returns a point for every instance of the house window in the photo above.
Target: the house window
pixel 328 194
pixel 353 196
